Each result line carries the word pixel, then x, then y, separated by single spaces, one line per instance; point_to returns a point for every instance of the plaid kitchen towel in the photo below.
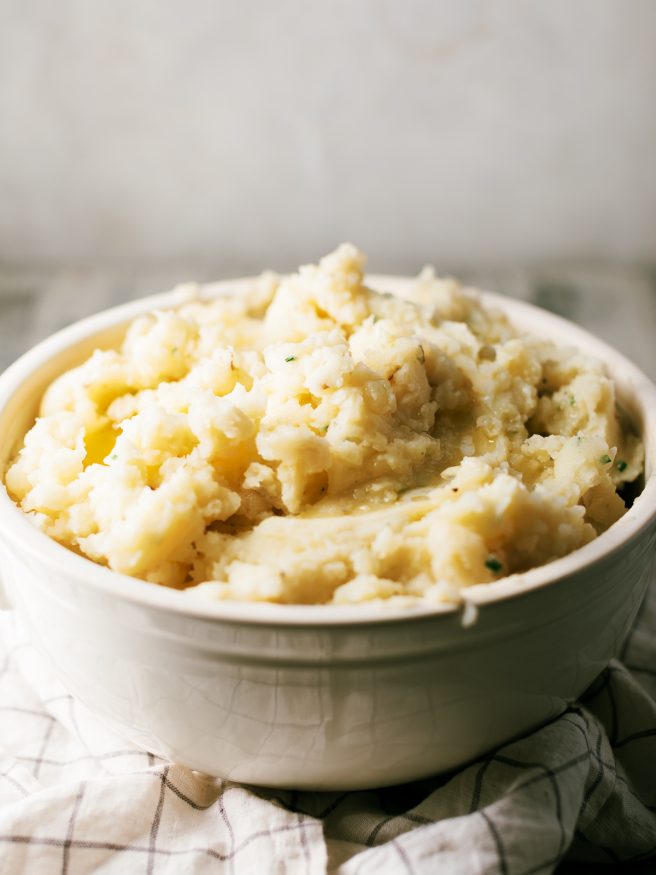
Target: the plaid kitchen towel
pixel 74 798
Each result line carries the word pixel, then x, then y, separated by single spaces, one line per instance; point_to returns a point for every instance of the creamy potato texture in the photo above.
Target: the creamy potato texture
pixel 313 440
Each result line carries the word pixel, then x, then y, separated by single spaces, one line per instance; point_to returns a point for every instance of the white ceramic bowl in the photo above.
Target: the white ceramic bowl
pixel 317 696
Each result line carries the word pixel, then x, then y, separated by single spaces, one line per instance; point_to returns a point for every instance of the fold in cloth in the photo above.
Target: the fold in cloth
pixel 75 798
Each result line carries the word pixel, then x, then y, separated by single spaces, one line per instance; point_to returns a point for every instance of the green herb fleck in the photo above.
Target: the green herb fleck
pixel 174 349
pixel 605 459
pixel 421 355
pixel 572 401
pixel 290 358
pixel 113 456
pixel 621 465
pixel 493 564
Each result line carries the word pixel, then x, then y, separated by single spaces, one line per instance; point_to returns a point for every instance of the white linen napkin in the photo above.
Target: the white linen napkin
pixel 75 798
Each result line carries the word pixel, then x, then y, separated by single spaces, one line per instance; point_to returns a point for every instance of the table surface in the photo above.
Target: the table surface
pixel 616 303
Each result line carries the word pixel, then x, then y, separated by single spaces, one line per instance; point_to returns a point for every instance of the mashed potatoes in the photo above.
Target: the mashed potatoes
pixel 315 441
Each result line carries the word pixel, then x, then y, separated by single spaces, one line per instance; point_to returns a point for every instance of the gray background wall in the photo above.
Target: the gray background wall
pixel 239 135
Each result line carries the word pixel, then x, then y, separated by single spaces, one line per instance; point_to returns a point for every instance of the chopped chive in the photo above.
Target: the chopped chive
pixel 605 459
pixel 572 400
pixel 621 465
pixel 493 564
pixel 113 456
pixel 290 358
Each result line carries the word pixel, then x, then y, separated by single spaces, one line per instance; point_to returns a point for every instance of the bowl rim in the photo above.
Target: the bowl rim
pixel 15 525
